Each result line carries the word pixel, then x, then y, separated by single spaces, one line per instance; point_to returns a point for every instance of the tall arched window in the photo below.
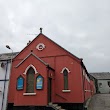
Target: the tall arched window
pixel 30 80
pixel 65 74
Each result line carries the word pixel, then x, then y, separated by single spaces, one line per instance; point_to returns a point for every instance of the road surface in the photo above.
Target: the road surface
pixel 100 102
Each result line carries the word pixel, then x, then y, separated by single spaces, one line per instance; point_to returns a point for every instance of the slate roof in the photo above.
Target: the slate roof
pixel 101 75
pixel 7 56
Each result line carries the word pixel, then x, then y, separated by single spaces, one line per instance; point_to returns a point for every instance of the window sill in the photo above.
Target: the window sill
pixel 87 90
pixel 66 90
pixel 29 93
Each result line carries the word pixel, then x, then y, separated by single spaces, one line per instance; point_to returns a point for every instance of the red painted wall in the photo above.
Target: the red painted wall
pixel 74 82
pixel 41 95
pixel 57 58
pixel 92 88
pixel 88 87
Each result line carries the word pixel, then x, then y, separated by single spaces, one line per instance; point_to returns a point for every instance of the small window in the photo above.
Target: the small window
pixel 109 83
pixel 65 74
pixel 30 80
pixel 39 82
pixel 100 85
pixel 20 83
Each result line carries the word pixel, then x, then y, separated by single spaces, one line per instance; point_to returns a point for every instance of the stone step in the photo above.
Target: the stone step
pixel 55 106
pixel 50 103
pixel 58 107
pixel 62 109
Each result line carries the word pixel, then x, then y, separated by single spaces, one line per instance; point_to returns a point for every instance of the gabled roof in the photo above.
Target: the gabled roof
pixel 46 64
pixel 101 75
pixel 7 56
pixel 62 47
pixel 53 42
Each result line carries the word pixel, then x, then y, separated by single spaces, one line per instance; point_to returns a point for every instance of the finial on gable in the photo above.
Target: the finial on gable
pixel 41 30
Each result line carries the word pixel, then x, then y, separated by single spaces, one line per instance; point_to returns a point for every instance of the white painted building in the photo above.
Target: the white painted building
pixel 102 80
pixel 103 86
pixel 5 64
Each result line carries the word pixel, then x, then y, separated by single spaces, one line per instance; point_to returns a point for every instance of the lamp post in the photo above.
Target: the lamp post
pixel 7 46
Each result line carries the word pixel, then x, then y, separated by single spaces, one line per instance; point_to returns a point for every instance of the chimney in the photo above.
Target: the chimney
pixel 29 42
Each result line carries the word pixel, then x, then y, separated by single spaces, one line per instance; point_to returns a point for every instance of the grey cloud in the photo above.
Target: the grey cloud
pixel 80 26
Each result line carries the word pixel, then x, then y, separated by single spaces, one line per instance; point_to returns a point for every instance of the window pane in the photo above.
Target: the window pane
pixel 30 81
pixel 100 85
pixel 65 82
pixel 39 82
pixel 65 73
pixel 109 83
pixel 20 82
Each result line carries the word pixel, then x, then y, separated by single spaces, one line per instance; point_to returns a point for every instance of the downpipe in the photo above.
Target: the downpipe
pixel 4 86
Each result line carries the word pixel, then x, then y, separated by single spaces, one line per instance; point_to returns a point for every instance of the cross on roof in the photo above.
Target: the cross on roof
pixel 41 30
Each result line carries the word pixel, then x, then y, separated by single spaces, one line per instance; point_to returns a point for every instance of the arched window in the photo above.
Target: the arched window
pixel 65 75
pixel 30 80
pixel 39 82
pixel 20 83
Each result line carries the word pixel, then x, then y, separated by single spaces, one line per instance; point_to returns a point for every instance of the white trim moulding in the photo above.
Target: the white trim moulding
pixel 66 90
pixel 29 93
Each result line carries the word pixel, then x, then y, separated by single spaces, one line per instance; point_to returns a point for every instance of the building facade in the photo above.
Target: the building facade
pixel 5 64
pixel 102 82
pixel 44 72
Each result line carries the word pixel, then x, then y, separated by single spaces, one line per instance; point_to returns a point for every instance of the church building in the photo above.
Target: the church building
pixel 44 74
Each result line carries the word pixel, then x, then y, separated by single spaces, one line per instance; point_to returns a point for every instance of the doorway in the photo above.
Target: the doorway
pixel 49 89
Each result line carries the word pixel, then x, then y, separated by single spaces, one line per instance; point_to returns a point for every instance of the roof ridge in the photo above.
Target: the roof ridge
pixel 54 43
pixel 62 47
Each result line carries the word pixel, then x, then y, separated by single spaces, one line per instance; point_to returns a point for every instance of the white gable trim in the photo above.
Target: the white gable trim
pixel 29 67
pixel 64 69
pixel 35 57
pixel 87 78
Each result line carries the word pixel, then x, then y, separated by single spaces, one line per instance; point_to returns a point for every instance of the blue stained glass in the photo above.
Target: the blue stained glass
pixel 20 82
pixel 39 84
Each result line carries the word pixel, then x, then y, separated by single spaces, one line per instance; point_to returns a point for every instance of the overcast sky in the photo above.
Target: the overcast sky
pixel 80 26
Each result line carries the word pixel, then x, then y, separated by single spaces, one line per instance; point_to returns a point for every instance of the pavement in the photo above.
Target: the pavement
pixel 100 102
